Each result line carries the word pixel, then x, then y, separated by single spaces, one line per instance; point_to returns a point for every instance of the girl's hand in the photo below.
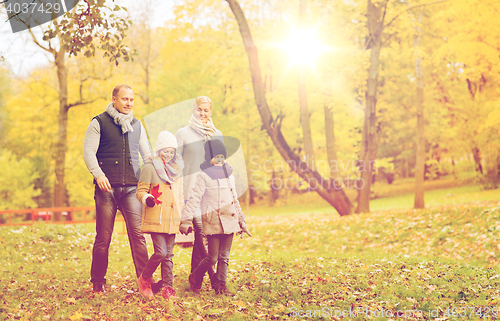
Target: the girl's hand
pixel 185 227
pixel 150 201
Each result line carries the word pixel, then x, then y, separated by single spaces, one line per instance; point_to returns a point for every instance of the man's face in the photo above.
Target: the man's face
pixel 203 112
pixel 124 100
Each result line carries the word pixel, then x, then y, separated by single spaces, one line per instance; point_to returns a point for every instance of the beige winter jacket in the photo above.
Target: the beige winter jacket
pixel 164 217
pixel 220 209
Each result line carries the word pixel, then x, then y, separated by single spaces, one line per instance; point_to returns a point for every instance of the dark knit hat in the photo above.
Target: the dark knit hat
pixel 213 148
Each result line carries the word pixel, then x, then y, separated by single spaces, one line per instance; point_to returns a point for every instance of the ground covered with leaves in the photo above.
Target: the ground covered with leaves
pixel 438 263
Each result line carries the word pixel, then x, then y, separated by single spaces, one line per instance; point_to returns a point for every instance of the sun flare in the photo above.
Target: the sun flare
pixel 303 47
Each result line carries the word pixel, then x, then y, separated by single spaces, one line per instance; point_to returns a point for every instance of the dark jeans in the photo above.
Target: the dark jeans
pixel 164 246
pixel 200 251
pixel 106 204
pixel 219 247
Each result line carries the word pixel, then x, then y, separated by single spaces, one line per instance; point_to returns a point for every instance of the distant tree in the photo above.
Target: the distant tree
pixel 17 188
pixel 92 25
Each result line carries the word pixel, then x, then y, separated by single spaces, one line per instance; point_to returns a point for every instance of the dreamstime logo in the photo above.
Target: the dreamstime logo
pixel 25 14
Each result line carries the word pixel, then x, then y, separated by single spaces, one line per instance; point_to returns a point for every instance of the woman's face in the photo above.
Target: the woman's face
pixel 203 112
pixel 167 154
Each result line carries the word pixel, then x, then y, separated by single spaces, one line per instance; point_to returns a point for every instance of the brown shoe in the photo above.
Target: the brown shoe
pixel 156 287
pixel 99 288
pixel 222 290
pixel 194 283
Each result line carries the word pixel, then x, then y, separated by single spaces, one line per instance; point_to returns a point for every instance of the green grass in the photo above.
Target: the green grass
pixel 442 260
pixel 448 196
pixel 313 203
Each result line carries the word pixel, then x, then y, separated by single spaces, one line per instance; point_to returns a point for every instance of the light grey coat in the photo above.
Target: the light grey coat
pixel 190 145
pixel 220 209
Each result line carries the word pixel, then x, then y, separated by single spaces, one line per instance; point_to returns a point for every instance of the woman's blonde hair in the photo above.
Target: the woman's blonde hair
pixel 200 100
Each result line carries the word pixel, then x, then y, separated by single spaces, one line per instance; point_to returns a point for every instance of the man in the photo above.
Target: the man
pixel 111 152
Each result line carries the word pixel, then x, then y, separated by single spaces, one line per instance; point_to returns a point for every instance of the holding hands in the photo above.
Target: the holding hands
pixel 186 227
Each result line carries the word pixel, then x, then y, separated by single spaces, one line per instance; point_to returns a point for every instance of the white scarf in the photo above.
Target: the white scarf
pixel 121 119
pixel 206 130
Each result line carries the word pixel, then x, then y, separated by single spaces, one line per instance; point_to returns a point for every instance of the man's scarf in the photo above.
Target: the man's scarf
pixel 121 119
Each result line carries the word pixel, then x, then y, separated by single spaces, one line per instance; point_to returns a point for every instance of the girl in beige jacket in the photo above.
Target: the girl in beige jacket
pixel 221 215
pixel 160 191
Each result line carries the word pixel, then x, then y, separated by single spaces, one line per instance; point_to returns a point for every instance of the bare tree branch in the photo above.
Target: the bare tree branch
pixel 50 49
pixel 79 103
pixel 413 7
pixel 489 45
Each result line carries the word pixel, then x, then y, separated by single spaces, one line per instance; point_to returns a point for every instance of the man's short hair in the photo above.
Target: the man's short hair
pixel 116 90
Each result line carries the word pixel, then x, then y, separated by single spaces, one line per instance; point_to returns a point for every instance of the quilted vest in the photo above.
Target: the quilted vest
pixel 118 154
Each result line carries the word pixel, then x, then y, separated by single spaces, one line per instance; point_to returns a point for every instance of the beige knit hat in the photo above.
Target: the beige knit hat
pixel 165 139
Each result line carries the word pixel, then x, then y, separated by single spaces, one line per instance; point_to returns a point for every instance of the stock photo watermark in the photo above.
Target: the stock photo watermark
pixel 26 14
pixel 266 181
pixel 361 312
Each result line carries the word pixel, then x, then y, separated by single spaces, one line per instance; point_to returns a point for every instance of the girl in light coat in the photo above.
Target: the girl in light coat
pixel 221 215
pixel 160 191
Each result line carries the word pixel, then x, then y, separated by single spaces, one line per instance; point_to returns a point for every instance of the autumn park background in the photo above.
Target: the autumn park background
pixel 391 108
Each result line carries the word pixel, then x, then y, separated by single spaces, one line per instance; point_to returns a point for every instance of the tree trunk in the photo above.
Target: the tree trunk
pixel 321 186
pixel 476 153
pixel 420 162
pixel 369 137
pixel 331 150
pixel 305 119
pixel 61 147
pixel 275 192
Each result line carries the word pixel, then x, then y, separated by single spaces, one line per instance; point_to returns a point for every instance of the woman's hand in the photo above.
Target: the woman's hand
pixel 244 229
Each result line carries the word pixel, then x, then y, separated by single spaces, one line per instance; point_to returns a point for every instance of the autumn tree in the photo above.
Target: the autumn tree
pixel 336 197
pixel 420 162
pixel 90 26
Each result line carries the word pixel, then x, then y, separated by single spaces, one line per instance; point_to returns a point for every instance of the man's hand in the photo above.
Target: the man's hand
pixel 150 201
pixel 244 229
pixel 103 183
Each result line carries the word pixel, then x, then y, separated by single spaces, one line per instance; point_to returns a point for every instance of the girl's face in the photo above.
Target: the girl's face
pixel 203 112
pixel 218 160
pixel 167 154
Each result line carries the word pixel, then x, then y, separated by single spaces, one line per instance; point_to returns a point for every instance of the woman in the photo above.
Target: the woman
pixel 190 141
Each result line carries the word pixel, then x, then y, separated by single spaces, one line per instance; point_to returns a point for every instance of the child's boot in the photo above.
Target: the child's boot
pixel 168 292
pixel 145 287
